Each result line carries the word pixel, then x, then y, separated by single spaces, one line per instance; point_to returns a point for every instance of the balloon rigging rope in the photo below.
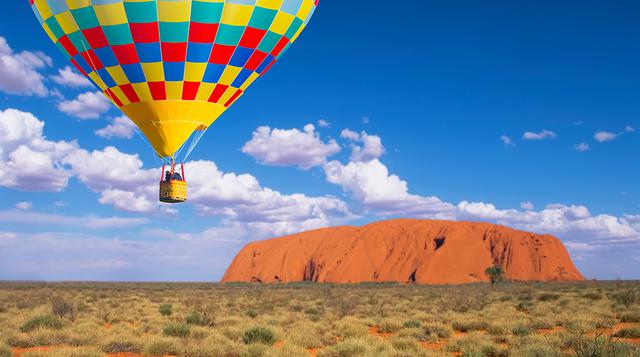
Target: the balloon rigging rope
pixel 195 142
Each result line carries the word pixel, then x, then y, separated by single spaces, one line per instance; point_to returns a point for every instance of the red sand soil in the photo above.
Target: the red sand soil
pixel 17 352
pixel 404 250
pixel 375 331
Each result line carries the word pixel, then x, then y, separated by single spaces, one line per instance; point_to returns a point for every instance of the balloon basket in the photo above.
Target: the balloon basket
pixel 173 186
pixel 173 191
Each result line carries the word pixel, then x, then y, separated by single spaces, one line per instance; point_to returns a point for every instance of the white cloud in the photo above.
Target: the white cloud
pixel 365 120
pixel 507 141
pixel 278 147
pixel 30 161
pixel 323 123
pixel 581 147
pixel 119 184
pixel 70 78
pixel 629 129
pixel 544 134
pixel 371 184
pixel 241 198
pixel 24 205
pixel 126 201
pixel 122 127
pixel 603 136
pixel 91 222
pixel 527 205
pixel 89 105
pixel 371 145
pixel 19 72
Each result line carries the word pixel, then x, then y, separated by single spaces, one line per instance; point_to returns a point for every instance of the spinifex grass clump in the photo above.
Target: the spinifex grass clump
pixel 165 309
pixel 63 309
pixel 42 321
pixel 121 345
pixel 631 332
pixel 198 319
pixel 176 330
pixel 259 334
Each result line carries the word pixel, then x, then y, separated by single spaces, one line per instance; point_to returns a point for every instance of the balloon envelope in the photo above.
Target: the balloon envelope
pixel 173 66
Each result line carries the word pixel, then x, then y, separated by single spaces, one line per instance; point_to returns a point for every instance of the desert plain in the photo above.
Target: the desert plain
pixel 326 320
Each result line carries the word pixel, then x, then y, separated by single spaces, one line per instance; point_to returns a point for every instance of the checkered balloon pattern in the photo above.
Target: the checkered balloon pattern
pixel 138 51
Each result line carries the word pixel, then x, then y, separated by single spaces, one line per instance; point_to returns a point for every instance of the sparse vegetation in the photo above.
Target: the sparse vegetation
pixel 42 321
pixel 384 320
pixel 495 273
pixel 259 334
pixel 165 309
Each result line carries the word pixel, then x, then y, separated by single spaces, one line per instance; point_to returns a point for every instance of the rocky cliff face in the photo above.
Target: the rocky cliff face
pixel 404 250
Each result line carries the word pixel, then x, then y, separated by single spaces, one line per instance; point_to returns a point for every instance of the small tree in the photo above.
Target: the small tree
pixel 495 274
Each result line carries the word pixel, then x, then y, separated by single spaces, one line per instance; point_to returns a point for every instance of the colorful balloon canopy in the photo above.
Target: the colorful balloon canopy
pixel 173 66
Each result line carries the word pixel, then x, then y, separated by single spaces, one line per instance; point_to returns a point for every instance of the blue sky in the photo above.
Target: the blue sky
pixel 523 115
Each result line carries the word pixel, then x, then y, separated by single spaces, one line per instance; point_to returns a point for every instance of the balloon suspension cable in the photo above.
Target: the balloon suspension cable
pixel 156 154
pixel 194 142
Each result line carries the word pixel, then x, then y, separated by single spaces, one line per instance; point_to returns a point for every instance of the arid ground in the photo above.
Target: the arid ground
pixel 156 319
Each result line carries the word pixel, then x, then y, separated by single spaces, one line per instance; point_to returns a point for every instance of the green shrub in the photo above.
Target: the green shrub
pixel 525 306
pixel 42 321
pixel 467 326
pixel 548 297
pixel 412 324
pixel 121 346
pixel 63 309
pixel 439 330
pixel 630 332
pixel 522 330
pixel 162 347
pixel 630 317
pixel 176 330
pixel 165 309
pixel 496 330
pixel 259 334
pixel 252 313
pixel 626 297
pixel 312 311
pixel 198 319
pixel 389 326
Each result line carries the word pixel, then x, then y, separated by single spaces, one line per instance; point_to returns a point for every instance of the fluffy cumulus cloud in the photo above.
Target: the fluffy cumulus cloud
pixel 118 177
pixel 382 193
pixel 323 123
pixel 279 147
pixel 121 181
pixel 241 198
pixel 89 105
pixel 364 147
pixel 122 127
pixel 30 161
pixel 20 72
pixel 544 134
pixel 69 78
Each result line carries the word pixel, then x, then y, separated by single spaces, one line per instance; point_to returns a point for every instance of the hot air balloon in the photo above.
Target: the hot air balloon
pixel 173 66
